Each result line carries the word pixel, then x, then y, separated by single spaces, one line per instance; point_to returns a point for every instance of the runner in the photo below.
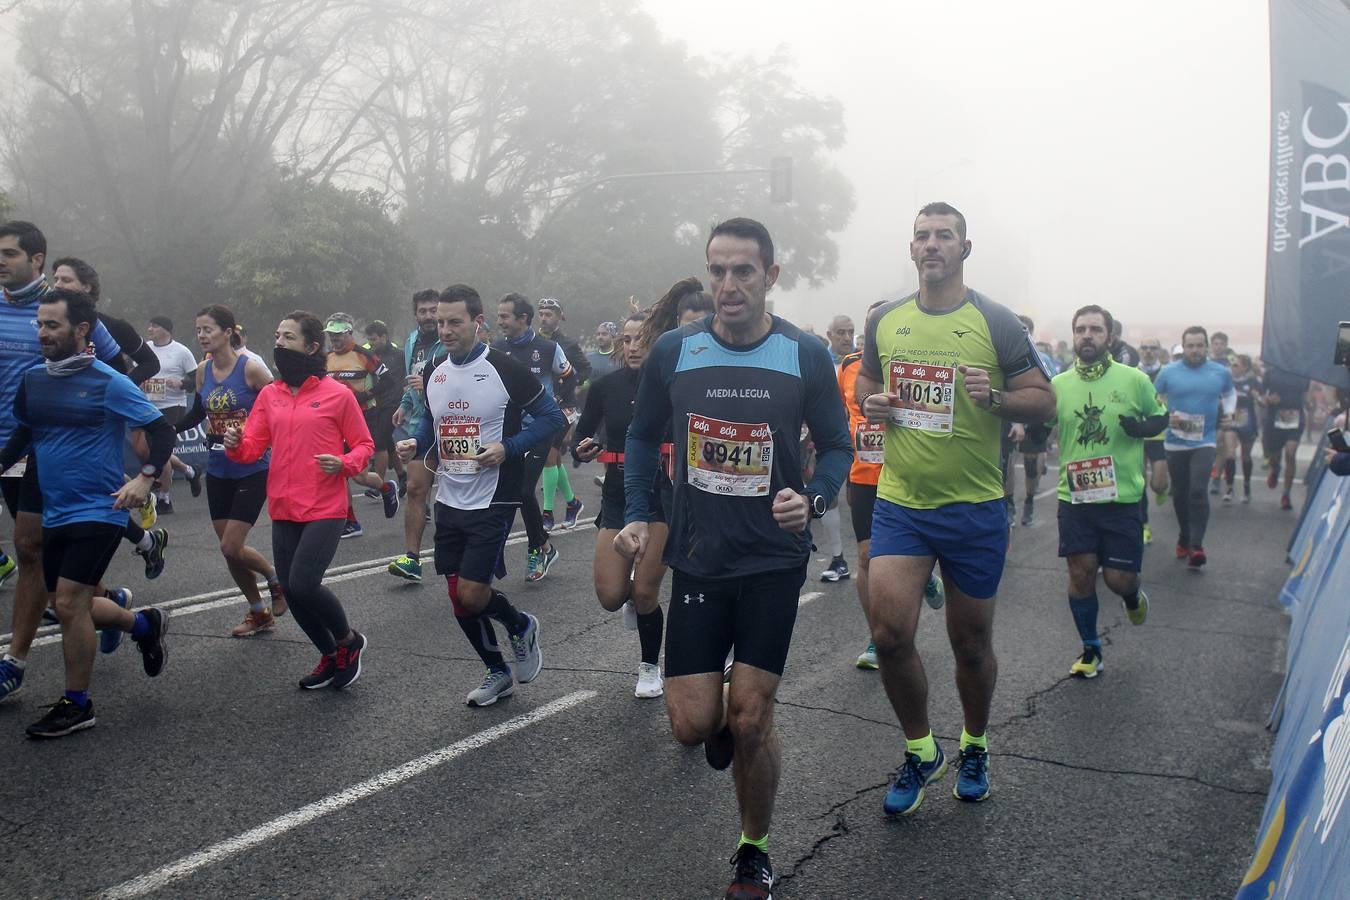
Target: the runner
pixel 227 387
pixel 548 364
pixel 737 387
pixel 243 346
pixel 1152 360
pixel 1195 389
pixel 168 392
pixel 366 375
pixel 839 339
pixel 957 368
pixel 74 411
pixel 869 447
pixel 608 354
pixel 474 404
pixel 307 420
pixel 695 303
pixel 23 255
pixel 1034 440
pixel 555 473
pixel 422 351
pixel 386 404
pixel 1240 436
pixel 1105 409
pixel 1285 398
pixel 1122 352
pixel 618 583
pixel 1218 348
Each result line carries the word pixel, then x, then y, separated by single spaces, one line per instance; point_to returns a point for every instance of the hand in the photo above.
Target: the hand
pixel 1328 454
pixel 406 449
pixel 877 407
pixel 232 438
pixel 330 464
pixel 399 417
pixel 1174 420
pixel 491 455
pixel 414 383
pixel 1017 432
pixel 977 385
pixel 134 493
pixel 631 542
pixel 791 511
pixel 588 449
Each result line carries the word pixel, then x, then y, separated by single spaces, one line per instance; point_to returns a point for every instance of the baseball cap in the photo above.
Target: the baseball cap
pixel 340 323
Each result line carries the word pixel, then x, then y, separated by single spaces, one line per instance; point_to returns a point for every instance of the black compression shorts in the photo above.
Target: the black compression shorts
pixel 236 499
pixel 754 614
pixel 79 552
pixel 862 499
pixel 612 500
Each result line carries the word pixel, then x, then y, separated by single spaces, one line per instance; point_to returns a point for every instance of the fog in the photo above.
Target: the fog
pixel 1109 154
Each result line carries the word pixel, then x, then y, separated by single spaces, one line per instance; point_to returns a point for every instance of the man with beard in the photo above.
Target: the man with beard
pixel 421 353
pixel 555 478
pixel 74 411
pixel 1104 411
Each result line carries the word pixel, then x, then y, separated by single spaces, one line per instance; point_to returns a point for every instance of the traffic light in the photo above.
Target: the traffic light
pixel 780 179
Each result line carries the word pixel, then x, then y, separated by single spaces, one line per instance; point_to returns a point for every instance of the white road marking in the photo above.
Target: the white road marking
pixel 268 831
pixel 199 603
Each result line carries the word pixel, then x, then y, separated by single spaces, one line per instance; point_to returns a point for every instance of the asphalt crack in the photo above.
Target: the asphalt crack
pixel 895 726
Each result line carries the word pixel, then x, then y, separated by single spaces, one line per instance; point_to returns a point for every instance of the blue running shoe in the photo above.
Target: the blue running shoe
pixel 906 793
pixel 11 680
pixel 109 639
pixel 972 777
pixel 7 568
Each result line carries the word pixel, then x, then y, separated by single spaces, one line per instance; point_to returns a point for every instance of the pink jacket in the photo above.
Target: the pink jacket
pixel 320 418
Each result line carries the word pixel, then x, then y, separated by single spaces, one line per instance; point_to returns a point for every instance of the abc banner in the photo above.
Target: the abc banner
pixel 1308 254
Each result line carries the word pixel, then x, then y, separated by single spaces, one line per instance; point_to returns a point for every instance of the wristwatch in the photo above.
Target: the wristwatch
pixel 149 471
pixel 995 399
pixel 817 502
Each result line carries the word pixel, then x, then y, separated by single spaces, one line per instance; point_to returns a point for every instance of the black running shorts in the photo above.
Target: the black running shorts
pixel 471 543
pixel 612 500
pixel 862 499
pixel 754 614
pixel 236 499
pixel 79 552
pixel 22 494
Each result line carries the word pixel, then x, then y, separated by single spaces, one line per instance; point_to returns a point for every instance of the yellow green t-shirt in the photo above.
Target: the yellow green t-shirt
pixel 1105 464
pixel 940 447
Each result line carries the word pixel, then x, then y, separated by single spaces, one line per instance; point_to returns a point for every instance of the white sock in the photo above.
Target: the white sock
pixel 145 543
pixel 190 473
pixel 830 525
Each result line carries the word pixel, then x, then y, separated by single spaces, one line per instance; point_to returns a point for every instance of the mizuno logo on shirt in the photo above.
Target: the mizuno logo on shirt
pixel 959 333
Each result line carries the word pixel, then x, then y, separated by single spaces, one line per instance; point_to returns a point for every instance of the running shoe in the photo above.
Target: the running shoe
pixel 1182 550
pixel 278 595
pixel 525 647
pixel 154 654
pixel 496 684
pixel 539 562
pixel 1285 502
pixel 548 520
pixel 253 623
pixel 630 615
pixel 1028 510
pixel 836 571
pixel 727 664
pixel 11 680
pixel 1228 495
pixel 8 569
pixel 1214 485
pixel 63 717
pixel 390 497
pixel 573 510
pixel 1160 497
pixel 406 567
pixel 1012 511
pixel 934 592
pixel 351 529
pixel 348 662
pixel 323 673
pixel 109 639
pixel 868 658
pixel 148 513
pixel 195 481
pixel 1246 493
pixel 402 485
pixel 1140 611
pixel 650 683
pixel 720 749
pixel 905 794
pixel 372 494
pixel 1198 557
pixel 49 615
pixel 164 506
pixel 1273 478
pixel 1089 664
pixel 972 775
pixel 154 557
pixel 752 877
pixel 599 481
pixel 1148 534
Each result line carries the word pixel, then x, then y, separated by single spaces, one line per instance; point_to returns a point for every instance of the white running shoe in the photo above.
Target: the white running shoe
pixel 496 684
pixel 629 616
pixel 649 683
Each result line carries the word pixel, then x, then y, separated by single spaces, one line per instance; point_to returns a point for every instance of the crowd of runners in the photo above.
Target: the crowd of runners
pixel 726 436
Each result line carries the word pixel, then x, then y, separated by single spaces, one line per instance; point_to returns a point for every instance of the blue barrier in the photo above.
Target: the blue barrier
pixel 1303 846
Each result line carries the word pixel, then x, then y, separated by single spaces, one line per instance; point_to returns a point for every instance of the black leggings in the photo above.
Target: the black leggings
pixel 302 552
pixel 529 503
pixel 1189 471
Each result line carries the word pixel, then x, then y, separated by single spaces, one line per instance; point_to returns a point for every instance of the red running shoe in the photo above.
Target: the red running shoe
pixel 1182 551
pixel 1198 557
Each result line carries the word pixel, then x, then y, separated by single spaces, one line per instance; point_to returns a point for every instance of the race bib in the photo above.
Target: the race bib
pixel 1191 426
pixel 925 396
pixel 869 442
pixel 1092 480
pixel 572 415
pixel 459 446
pixel 219 422
pixel 1241 418
pixel 730 458
pixel 155 388
pixel 1287 419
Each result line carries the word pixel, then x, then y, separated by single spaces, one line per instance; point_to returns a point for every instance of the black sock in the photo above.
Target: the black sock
pixel 650 626
pixel 1229 470
pixel 501 609
pixel 1247 472
pixel 478 629
pixel 1131 599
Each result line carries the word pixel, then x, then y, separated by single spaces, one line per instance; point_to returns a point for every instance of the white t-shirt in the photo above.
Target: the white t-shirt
pixel 165 390
pixel 251 355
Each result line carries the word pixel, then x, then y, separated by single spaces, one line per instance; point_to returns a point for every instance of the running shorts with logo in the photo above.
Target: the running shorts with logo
pixel 943 454
pixel 1114 532
pixel 78 552
pixel 21 492
pixel 236 499
pixel 752 613
pixel 1286 416
pixel 471 543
